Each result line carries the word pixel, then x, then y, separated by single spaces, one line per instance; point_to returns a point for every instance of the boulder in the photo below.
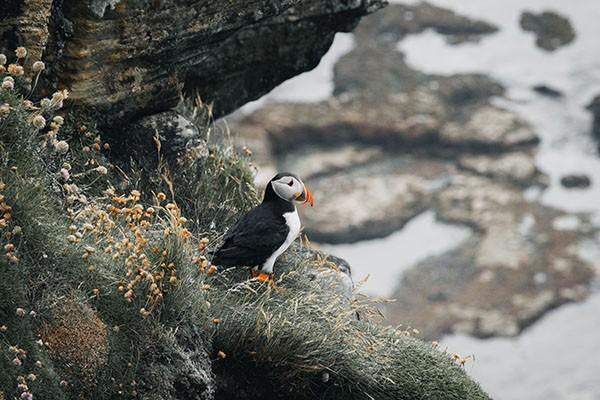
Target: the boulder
pixel 552 30
pixel 576 181
pixel 400 20
pixel 594 108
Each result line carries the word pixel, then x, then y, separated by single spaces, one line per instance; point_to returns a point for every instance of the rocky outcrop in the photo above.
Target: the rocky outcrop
pixel 576 181
pixel 521 261
pixel 552 30
pixel 125 60
pixel 416 18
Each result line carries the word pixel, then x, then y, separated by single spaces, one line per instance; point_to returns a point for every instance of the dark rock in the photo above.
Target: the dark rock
pixel 125 60
pixel 594 107
pixel 400 20
pixel 575 181
pixel 546 90
pixel 175 133
pixel 551 29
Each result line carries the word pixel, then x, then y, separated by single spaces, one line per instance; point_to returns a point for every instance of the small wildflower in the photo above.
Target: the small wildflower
pixel 39 121
pixel 59 120
pixel 45 102
pixel 32 313
pixel 19 70
pixel 16 361
pixel 101 170
pixel 64 173
pixel 21 52
pixel 221 354
pixel 4 109
pixel 96 292
pixel 161 196
pixel 173 279
pixel 61 147
pixel 216 321
pixel 20 312
pixel 72 238
pixel 3 329
pixel 2 59
pixel 39 364
pixel 211 270
pixel 7 84
pixel 58 98
pixel 31 377
pixel 106 146
pixel 38 67
pixel 12 69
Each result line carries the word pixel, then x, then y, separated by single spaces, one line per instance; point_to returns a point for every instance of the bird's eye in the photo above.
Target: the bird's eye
pixel 291 183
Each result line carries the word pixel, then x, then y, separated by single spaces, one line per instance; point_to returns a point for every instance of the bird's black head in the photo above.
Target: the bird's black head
pixel 289 187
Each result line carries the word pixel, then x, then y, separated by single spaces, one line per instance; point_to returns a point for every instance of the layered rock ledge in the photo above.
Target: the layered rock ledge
pixel 129 59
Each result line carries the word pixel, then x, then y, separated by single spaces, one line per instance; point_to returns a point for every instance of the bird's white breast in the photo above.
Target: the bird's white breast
pixel 292 220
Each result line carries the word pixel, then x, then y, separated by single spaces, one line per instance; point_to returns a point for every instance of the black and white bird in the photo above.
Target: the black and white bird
pixel 265 232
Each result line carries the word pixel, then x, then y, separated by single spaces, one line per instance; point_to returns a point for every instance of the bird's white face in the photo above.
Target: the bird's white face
pixel 291 188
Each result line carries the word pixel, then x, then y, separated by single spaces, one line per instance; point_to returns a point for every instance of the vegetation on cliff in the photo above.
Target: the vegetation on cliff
pixel 107 293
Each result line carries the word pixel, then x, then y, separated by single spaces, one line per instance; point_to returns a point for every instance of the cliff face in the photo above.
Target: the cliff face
pixel 132 58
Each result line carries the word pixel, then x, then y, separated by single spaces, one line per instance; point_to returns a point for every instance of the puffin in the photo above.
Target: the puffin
pixel 261 235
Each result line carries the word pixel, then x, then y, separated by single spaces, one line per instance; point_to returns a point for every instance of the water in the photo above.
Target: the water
pixel 383 261
pixel 511 57
pixel 558 357
pixel 311 86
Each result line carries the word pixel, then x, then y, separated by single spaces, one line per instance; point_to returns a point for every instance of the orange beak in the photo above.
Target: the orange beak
pixel 306 197
pixel 309 197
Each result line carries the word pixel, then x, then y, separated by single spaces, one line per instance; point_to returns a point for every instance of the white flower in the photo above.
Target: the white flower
pixel 45 102
pixel 101 170
pixel 4 108
pixel 21 52
pixel 8 85
pixel 58 98
pixel 61 146
pixel 2 59
pixel 39 121
pixel 38 66
pixel 59 120
pixel 64 173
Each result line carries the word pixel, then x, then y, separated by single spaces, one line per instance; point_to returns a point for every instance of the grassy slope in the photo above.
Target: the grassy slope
pixel 297 338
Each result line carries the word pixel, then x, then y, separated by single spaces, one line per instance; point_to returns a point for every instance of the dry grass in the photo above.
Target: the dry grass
pixel 76 339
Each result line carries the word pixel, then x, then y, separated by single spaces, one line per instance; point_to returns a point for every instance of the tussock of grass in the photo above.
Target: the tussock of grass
pixel 288 343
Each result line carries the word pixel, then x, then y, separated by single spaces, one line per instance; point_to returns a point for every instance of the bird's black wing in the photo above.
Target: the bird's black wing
pixel 252 239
